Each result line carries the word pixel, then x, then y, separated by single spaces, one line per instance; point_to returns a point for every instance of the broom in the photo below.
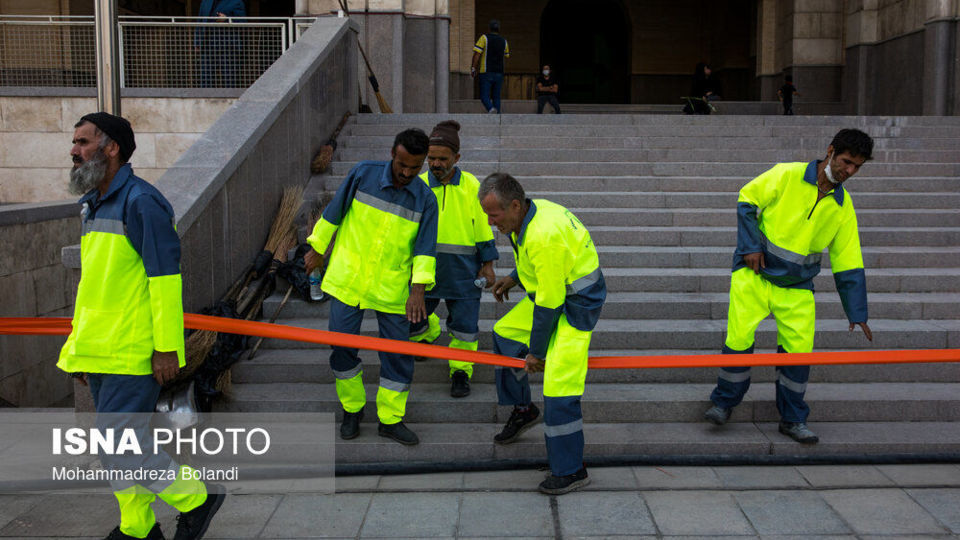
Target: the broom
pixel 325 155
pixel 384 107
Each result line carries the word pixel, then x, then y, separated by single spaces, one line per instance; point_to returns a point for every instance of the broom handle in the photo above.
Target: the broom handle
pixel 343 6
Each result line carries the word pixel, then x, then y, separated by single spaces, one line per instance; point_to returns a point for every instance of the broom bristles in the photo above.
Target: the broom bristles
pixel 384 108
pixel 282 227
pixel 323 159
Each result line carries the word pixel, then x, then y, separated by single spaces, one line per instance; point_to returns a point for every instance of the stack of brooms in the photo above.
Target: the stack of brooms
pixel 210 354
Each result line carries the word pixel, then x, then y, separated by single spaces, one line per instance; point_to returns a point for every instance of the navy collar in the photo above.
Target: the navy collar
pixel 119 179
pixel 526 221
pixel 810 177
pixel 433 181
pixel 386 179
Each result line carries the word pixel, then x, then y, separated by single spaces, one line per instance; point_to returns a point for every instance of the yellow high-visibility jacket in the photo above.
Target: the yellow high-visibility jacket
pixel 778 214
pixel 129 301
pixel 558 266
pixel 386 239
pixel 464 237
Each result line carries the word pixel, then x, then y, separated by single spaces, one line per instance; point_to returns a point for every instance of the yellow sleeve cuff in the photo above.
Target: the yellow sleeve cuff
pixel 424 270
pixel 322 233
pixel 166 306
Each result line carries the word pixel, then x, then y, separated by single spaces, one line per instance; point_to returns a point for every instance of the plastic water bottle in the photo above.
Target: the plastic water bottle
pixel 480 282
pixel 316 294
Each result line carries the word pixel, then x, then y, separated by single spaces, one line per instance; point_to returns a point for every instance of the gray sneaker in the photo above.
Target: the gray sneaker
pixel 799 432
pixel 717 414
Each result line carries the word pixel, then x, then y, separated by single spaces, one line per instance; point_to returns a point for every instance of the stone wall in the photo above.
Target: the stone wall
pixel 34 283
pixel 35 135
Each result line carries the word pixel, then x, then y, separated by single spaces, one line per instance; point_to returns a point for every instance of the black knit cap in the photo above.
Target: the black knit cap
pixel 117 128
pixel 445 134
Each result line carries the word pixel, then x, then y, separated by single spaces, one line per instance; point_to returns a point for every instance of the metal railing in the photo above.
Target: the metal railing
pixel 155 52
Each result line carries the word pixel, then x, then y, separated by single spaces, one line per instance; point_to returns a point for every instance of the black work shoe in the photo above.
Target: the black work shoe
pixel 191 525
pixel 517 424
pixel 399 433
pixel 154 534
pixel 460 385
pixel 558 485
pixel 799 432
pixel 350 427
pixel 717 414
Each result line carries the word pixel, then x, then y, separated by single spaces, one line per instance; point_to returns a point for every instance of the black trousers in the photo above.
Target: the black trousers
pixel 549 98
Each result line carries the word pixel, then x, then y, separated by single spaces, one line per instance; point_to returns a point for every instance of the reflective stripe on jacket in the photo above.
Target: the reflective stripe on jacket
pixel 129 301
pixel 464 237
pixel 386 239
pixel 558 266
pixel 778 214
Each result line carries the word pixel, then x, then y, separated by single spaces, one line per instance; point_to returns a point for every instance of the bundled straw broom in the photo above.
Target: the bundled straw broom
pixel 281 238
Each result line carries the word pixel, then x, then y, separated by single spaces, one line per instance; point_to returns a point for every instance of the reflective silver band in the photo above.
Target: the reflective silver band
pixel 584 282
pixel 790 256
pixel 793 386
pixel 563 429
pixel 454 249
pixel 519 373
pixel 348 374
pixel 463 336
pixel 394 385
pixel 163 484
pixel 388 207
pixel 730 376
pixel 111 226
pixel 420 332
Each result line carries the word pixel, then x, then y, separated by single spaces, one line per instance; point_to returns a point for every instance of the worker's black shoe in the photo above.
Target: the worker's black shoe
pixel 350 427
pixel 519 422
pixel 154 534
pixel 399 433
pixel 191 525
pixel 717 414
pixel 460 384
pixel 558 485
pixel 799 432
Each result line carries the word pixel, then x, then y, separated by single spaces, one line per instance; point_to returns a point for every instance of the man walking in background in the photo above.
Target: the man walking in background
pixel 465 253
pixel 489 56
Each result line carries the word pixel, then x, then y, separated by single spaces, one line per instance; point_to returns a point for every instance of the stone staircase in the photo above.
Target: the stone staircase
pixel 658 194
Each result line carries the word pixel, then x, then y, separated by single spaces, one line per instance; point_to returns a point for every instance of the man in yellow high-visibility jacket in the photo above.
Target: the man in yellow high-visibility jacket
pixel 127 337
pixel 786 217
pixel 384 259
pixel 465 253
pixel 558 266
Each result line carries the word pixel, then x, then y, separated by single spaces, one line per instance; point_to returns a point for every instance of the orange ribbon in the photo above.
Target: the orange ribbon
pixel 61 326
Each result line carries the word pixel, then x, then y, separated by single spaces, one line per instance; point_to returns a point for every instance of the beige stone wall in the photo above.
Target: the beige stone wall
pixel 35 136
pixel 462 34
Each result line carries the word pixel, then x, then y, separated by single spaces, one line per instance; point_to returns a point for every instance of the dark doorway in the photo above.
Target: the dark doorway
pixel 588 46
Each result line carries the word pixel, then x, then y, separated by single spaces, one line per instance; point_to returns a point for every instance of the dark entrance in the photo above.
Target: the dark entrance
pixel 588 46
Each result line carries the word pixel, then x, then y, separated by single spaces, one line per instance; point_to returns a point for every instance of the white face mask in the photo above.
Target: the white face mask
pixel 828 171
pixel 546 73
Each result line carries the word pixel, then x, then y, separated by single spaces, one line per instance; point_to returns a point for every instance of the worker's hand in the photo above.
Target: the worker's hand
pixel 165 366
pixel 755 261
pixel 486 272
pixel 311 260
pixel 866 329
pixel 534 364
pixel 221 16
pixel 502 288
pixel 473 72
pixel 416 307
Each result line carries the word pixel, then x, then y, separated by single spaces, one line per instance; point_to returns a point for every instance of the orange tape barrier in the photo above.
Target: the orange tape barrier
pixel 53 326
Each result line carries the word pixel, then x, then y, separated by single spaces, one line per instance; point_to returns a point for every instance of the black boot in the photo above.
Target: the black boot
pixel 519 422
pixel 154 534
pixel 558 485
pixel 350 427
pixel 399 433
pixel 460 384
pixel 191 525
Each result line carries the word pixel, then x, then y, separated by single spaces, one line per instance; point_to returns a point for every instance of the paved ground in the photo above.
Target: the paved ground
pixel 889 501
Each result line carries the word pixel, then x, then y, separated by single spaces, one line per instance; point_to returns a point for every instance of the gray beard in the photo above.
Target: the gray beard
pixel 88 175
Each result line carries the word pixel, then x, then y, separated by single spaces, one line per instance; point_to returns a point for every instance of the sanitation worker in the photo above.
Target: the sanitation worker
pixel 786 217
pixel 127 336
pixel 550 327
pixel 384 259
pixel 465 253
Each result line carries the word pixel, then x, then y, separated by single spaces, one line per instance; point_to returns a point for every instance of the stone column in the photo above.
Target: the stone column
pixel 939 56
pixel 442 68
pixel 767 69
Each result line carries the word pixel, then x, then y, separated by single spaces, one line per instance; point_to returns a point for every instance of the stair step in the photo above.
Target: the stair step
pixel 721 217
pixel 312 366
pixel 627 403
pixel 641 305
pixel 709 334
